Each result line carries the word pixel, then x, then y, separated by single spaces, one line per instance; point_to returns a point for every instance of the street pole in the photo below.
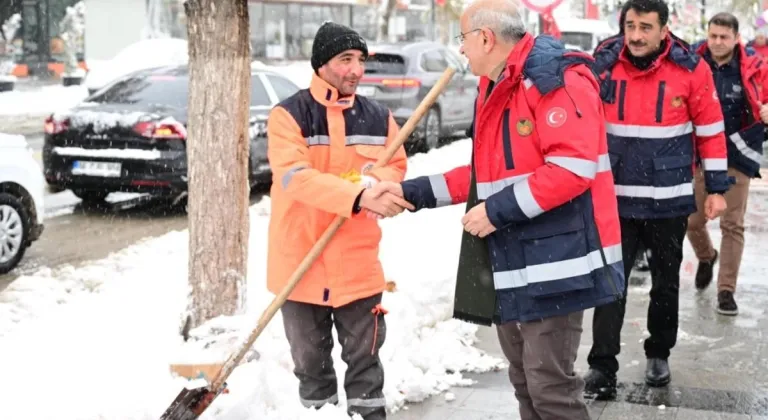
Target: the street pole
pixel 704 15
pixel 432 21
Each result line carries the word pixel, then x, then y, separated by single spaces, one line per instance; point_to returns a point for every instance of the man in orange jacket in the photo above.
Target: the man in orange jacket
pixel 323 142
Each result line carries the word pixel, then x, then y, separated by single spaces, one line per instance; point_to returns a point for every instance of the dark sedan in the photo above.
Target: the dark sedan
pixel 131 136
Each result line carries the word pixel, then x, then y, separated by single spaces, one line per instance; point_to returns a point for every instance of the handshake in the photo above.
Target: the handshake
pixel 384 199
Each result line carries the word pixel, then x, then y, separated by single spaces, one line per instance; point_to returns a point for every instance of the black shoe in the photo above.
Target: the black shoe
pixel 726 305
pixel 657 372
pixel 704 272
pixel 599 386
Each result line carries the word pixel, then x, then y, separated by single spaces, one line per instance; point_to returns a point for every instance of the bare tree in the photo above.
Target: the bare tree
pixel 217 150
pixel 384 28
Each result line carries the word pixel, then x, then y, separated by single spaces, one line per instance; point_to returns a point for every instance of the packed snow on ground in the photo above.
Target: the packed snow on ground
pixel 41 101
pixel 95 342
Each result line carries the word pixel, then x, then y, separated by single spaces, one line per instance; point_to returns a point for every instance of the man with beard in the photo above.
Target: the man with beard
pixel 323 142
pixel 662 111
pixel 740 78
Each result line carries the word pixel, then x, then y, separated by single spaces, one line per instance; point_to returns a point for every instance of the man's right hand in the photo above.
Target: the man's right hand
pixel 385 199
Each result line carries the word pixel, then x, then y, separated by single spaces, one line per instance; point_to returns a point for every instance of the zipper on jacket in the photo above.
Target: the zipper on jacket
pixel 622 95
pixel 660 101
pixel 506 141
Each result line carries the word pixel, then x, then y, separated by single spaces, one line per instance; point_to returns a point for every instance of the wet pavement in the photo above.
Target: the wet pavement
pixel 719 365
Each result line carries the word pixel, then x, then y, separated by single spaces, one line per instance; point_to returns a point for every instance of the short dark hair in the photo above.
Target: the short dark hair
pixel 646 6
pixel 725 19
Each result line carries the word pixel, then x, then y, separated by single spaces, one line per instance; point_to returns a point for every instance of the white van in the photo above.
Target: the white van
pixel 584 34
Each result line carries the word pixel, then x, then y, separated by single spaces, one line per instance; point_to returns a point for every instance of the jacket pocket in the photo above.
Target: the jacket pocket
pixel 556 256
pixel 366 156
pixel 672 171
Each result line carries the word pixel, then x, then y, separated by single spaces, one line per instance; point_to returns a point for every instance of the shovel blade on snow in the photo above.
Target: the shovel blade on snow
pixel 189 404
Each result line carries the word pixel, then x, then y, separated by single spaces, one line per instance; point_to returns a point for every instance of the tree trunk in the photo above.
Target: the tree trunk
pixel 384 28
pixel 217 150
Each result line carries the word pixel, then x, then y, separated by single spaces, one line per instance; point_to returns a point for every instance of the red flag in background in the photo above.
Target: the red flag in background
pixel 550 26
pixel 591 11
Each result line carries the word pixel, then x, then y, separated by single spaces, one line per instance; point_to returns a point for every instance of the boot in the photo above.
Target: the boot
pixel 657 372
pixel 726 304
pixel 599 385
pixel 705 272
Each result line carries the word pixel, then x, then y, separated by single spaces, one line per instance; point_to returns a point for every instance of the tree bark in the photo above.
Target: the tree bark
pixel 384 28
pixel 217 153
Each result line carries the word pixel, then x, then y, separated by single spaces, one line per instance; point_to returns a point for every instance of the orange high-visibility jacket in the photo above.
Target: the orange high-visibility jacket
pixel 314 137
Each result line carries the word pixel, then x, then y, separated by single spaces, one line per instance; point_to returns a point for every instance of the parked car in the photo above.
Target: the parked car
pixel 141 55
pixel 22 211
pixel 131 136
pixel 400 75
pixel 584 34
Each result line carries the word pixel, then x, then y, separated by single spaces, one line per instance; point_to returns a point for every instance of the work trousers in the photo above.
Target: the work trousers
pixel 361 330
pixel 731 227
pixel 664 239
pixel 541 356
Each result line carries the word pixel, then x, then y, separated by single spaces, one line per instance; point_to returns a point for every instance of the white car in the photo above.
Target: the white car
pixel 145 54
pixel 22 188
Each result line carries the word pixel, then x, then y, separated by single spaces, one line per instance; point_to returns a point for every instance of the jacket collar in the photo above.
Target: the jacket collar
pixel 327 95
pixel 516 58
pixel 656 63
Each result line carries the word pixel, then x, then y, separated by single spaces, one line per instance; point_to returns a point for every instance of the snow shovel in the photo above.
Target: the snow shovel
pixel 191 403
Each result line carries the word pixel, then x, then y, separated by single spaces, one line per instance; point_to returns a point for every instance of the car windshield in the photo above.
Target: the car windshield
pixel 165 89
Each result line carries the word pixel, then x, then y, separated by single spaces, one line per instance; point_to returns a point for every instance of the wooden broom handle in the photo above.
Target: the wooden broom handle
pixel 325 238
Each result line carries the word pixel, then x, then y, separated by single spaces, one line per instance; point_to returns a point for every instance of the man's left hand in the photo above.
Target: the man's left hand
pixel 476 222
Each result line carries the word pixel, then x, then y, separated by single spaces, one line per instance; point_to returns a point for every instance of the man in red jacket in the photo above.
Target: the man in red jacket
pixel 741 78
pixel 541 203
pixel 662 113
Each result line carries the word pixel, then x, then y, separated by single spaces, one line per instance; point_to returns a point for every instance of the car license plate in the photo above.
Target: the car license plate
pixel 103 169
pixel 366 90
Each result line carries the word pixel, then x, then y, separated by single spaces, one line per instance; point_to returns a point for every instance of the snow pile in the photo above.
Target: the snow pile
pixel 96 342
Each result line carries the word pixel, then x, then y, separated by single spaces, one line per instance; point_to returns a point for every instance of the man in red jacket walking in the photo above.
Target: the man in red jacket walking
pixel 662 112
pixel 741 78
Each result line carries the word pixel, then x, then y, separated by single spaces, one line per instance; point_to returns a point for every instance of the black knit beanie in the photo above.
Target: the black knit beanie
pixel 333 39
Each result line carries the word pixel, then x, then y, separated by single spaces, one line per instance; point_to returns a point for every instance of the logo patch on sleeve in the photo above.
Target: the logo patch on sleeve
pixel 556 117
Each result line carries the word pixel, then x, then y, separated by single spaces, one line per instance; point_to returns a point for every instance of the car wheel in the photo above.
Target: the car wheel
pixel 14 231
pixel 432 129
pixel 91 197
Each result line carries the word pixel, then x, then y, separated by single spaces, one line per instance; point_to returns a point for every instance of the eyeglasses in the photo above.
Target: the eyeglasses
pixel 461 36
